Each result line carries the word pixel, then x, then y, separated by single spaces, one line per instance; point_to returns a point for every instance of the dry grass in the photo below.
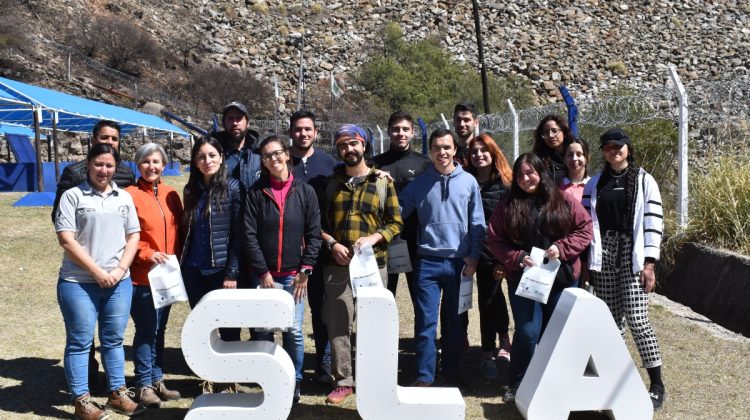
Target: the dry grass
pixel 706 377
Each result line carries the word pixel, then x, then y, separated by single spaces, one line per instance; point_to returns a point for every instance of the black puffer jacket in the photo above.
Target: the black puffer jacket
pixel 224 226
pixel 74 174
pixel 276 241
pixel 492 193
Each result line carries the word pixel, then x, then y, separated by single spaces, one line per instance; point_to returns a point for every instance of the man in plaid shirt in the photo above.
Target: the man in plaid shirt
pixel 359 208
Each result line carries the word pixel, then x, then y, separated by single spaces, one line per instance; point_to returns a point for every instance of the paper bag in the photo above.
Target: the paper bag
pixel 166 283
pixel 465 292
pixel 399 260
pixel 536 282
pixel 363 269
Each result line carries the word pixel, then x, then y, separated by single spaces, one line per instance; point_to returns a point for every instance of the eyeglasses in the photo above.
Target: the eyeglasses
pixel 273 155
pixel 551 132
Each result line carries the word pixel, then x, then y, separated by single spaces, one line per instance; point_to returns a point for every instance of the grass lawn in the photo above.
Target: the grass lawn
pixel 705 375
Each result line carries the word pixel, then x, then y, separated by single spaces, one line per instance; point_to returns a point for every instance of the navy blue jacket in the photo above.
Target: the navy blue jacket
pixel 281 241
pixel 316 169
pixel 244 164
pixel 223 222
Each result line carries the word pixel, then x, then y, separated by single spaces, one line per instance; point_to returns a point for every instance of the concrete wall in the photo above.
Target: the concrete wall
pixel 713 283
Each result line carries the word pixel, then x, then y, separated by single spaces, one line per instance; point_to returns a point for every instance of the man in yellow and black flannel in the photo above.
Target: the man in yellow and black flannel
pixel 359 208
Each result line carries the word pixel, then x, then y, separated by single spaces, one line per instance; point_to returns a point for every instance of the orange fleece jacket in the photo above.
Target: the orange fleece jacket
pixel 160 216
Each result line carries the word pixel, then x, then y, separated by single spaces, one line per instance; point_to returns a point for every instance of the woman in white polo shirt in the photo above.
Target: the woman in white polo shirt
pixel 97 227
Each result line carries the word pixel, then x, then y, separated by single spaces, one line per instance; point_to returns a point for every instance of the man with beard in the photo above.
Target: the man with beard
pixel 360 208
pixel 465 122
pixel 238 142
pixel 313 166
pixel 403 163
pixel 451 233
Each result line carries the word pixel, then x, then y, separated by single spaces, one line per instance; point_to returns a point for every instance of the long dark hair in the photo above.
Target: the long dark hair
pixel 217 188
pixel 556 220
pixel 540 147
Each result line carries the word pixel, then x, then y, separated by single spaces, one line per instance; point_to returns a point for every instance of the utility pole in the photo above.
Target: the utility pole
pixel 483 70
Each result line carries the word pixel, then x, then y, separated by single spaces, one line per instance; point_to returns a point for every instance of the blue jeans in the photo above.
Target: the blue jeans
pixel 530 318
pixel 148 342
pixel 82 305
pixel 434 275
pixel 197 285
pixel 293 340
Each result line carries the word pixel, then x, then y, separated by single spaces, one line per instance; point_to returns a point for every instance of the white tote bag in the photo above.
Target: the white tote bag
pixel 166 283
pixel 536 282
pixel 465 292
pixel 363 269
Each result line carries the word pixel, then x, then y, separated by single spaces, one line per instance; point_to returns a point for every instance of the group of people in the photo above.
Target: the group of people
pixel 281 214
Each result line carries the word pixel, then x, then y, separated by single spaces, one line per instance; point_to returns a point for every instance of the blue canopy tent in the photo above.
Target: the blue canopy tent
pixel 27 105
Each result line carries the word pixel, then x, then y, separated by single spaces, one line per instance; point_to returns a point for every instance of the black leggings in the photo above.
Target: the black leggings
pixel 493 310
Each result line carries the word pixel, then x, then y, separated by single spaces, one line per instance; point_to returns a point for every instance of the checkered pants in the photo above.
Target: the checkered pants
pixel 623 293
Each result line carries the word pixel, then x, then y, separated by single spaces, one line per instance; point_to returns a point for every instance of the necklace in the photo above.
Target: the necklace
pixel 616 176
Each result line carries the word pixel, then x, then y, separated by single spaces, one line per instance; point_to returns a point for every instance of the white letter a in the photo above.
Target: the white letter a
pixel 582 364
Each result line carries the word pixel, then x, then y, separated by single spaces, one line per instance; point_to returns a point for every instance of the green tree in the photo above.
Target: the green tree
pixel 422 78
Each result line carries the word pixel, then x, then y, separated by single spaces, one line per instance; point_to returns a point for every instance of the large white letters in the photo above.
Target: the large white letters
pixel 582 364
pixel 264 363
pixel 378 394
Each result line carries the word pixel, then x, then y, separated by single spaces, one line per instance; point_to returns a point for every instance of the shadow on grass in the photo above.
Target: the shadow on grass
pixel 42 387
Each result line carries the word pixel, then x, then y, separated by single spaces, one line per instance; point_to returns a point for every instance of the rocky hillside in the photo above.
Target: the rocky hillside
pixel 589 45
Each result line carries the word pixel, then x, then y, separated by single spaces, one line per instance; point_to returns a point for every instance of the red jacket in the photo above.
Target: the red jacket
pixel 571 245
pixel 159 213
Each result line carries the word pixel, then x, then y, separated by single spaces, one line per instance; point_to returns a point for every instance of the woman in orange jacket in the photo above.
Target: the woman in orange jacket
pixel 159 213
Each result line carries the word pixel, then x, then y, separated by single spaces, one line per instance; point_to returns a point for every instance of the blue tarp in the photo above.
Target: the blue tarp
pixel 22 148
pixel 74 113
pixel 16 129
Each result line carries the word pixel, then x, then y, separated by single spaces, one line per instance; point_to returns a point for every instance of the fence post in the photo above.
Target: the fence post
pixel 516 130
pixel 682 150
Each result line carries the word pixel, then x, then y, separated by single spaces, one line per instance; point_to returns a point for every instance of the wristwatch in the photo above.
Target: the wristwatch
pixel 331 242
pixel 307 272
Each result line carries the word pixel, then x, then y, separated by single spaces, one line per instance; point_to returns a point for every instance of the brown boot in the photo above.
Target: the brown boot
pixel 164 393
pixel 121 401
pixel 86 409
pixel 148 398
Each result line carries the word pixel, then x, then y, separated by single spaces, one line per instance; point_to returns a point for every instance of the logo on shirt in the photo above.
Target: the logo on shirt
pixel 411 171
pixel 123 212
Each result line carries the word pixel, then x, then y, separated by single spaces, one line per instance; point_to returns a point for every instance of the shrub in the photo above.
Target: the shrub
pixel 261 7
pixel 217 86
pixel 118 43
pixel 422 78
pixel 720 204
pixel 617 67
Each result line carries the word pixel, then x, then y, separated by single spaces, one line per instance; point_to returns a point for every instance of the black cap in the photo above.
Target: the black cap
pixel 236 105
pixel 616 136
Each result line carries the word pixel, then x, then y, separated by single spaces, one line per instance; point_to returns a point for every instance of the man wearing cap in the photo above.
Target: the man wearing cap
pixel 238 142
pixel 313 166
pixel 465 122
pixel 360 208
pixel 107 132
